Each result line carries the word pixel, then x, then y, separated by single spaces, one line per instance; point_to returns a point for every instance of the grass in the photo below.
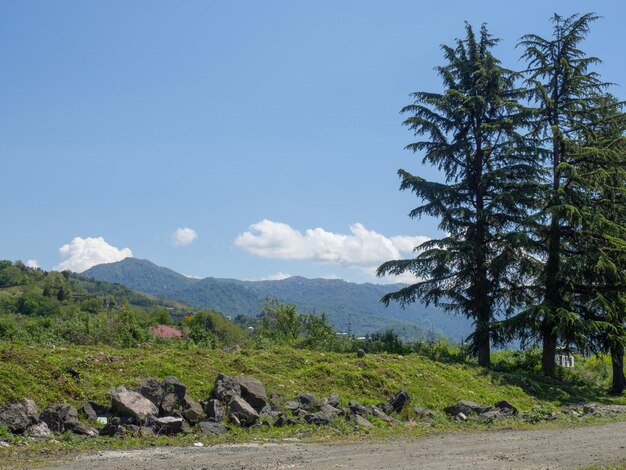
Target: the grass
pixel 40 373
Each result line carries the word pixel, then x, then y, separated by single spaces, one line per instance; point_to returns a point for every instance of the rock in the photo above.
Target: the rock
pixel 84 430
pixel 39 430
pixel 362 422
pixel 460 417
pixel 292 405
pixel 319 418
pixel 112 427
pixel 132 430
pixel 253 391
pixel 399 400
pixel 386 407
pixel 380 414
pixel 492 414
pixel 60 417
pixel 30 408
pixel 226 388
pixel 360 353
pixel 192 410
pixel 15 417
pixel 307 401
pixel 357 409
pixel 333 400
pixel 92 410
pixel 214 410
pixel 330 411
pixel 422 412
pixel 129 403
pixel 506 408
pixel 171 384
pixel 233 349
pixel 168 425
pixel 169 405
pixel 210 427
pixel 284 421
pixel 186 428
pixel 152 390
pixel 594 408
pixel 465 407
pixel 242 410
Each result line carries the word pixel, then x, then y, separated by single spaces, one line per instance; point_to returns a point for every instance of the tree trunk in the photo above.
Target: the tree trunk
pixel 548 359
pixel 617 361
pixel 483 348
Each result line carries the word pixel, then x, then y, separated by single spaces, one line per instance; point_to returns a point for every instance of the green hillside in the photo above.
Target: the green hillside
pixel 65 308
pixel 344 303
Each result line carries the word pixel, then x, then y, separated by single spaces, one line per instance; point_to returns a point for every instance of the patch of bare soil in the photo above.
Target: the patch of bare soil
pixel 578 447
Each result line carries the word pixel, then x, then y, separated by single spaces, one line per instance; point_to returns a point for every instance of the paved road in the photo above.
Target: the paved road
pixel 578 447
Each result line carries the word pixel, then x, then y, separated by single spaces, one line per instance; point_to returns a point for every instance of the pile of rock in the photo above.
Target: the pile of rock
pixel 463 409
pixel 24 419
pixel 165 408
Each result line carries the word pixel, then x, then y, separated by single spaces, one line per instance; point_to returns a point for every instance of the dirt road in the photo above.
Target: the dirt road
pixel 595 446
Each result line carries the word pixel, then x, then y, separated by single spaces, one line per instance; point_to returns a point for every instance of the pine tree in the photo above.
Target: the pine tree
pixel 564 92
pixel 472 136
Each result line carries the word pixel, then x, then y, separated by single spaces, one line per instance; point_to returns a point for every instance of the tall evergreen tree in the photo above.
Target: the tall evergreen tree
pixel 471 136
pixel 599 284
pixel 564 91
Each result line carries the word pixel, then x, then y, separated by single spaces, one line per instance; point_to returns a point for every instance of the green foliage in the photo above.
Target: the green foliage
pixel 472 134
pixel 63 308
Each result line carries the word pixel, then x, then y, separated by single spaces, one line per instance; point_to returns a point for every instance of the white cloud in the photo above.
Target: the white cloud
pixel 362 248
pixel 276 277
pixel 32 263
pixel 83 253
pixel 184 236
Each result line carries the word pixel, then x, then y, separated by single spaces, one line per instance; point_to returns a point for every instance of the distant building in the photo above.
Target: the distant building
pixel 165 331
pixel 564 359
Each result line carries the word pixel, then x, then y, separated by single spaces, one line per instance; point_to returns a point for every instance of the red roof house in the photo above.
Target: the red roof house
pixel 165 331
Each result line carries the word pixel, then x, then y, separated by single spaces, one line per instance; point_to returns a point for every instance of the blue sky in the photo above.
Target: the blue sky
pixel 238 139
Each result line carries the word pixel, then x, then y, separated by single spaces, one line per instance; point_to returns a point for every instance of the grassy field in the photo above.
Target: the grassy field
pixel 40 373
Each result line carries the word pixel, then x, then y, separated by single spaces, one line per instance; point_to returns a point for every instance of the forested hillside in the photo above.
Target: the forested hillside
pixel 345 304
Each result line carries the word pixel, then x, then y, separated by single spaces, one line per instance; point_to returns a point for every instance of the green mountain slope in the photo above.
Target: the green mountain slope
pixel 345 304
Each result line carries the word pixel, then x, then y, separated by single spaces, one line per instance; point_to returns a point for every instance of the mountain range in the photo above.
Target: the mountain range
pixel 349 307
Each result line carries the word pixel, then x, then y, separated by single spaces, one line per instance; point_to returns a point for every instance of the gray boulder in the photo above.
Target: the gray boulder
pixel 213 428
pixel 333 400
pixel 226 388
pixel 84 430
pixel 506 408
pixel 362 422
pixel 92 410
pixel 292 405
pixel 466 407
pixel 192 410
pixel 19 416
pixel 169 405
pixel 380 414
pixel 39 430
pixel 358 409
pixel 171 384
pixel 152 390
pixel 253 391
pixel 132 430
pixel 330 410
pixel 60 417
pixel 214 410
pixel 319 418
pixel 242 411
pixel 168 425
pixel 129 403
pixel 307 401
